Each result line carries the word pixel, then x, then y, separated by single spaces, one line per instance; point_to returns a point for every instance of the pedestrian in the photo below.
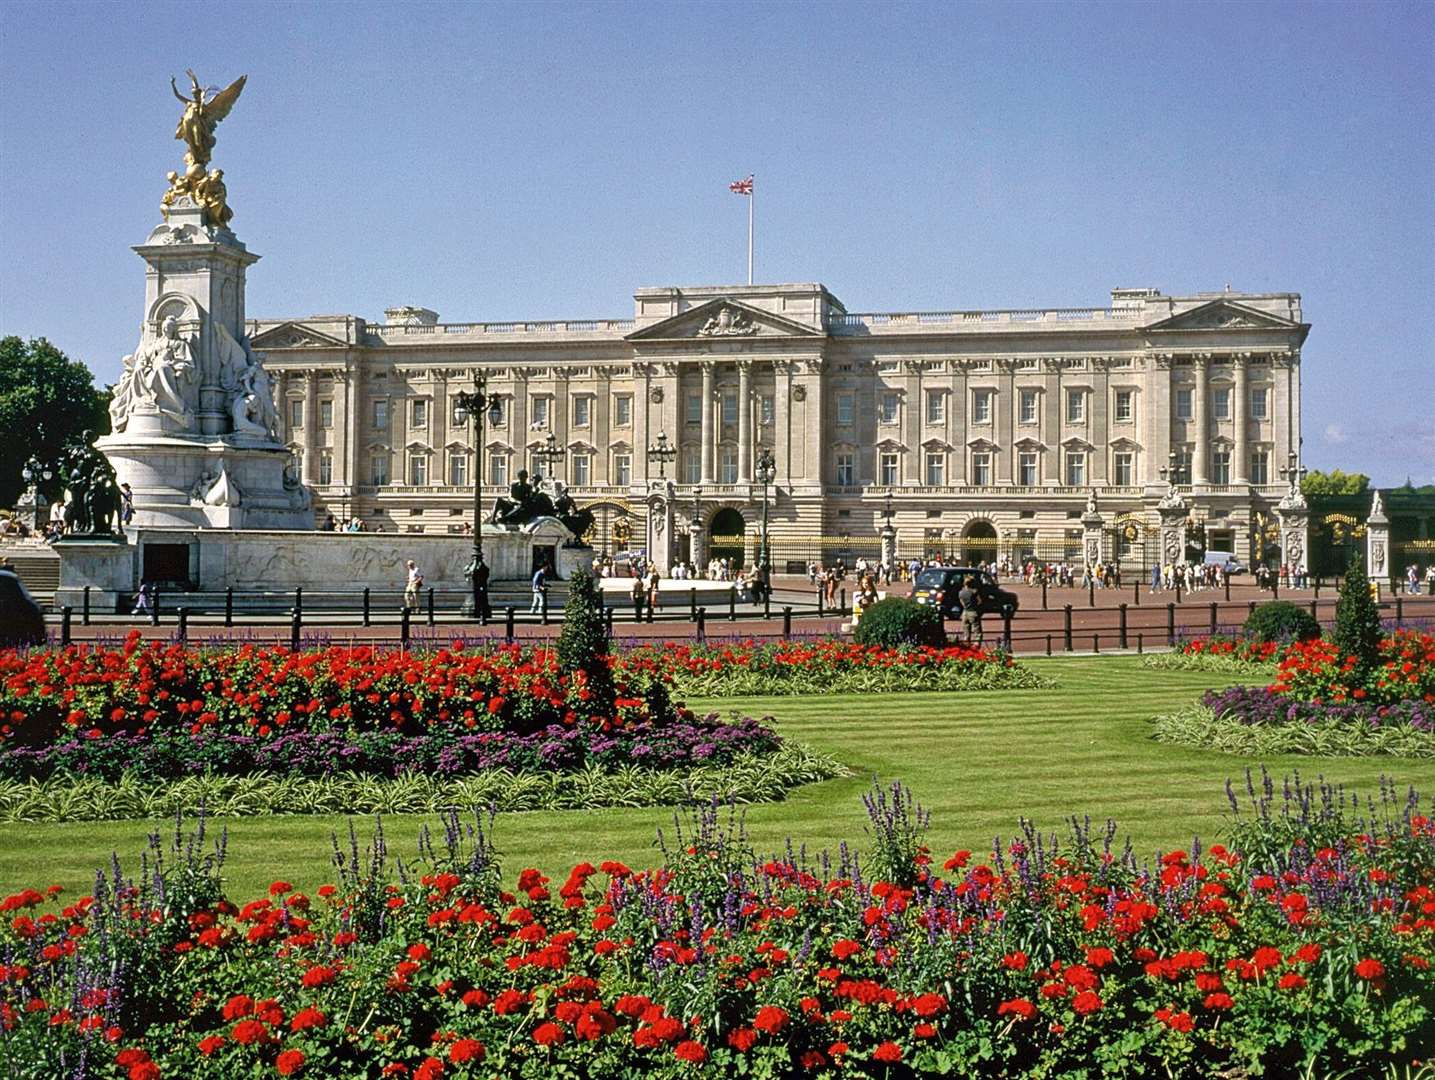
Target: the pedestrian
pixel 144 601
pixel 127 504
pixel 540 591
pixel 971 604
pixel 478 571
pixel 412 585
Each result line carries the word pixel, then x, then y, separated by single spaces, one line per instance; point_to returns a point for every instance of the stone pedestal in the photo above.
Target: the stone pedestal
pixel 1294 514
pixel 1092 524
pixel 1173 511
pixel 661 538
pixel 106 565
pixel 1377 542
pixel 697 550
pixel 31 508
pixel 888 537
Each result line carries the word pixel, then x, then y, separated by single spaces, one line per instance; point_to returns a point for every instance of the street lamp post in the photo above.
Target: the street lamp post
pixel 36 474
pixel 550 453
pixel 766 473
pixel 662 453
pixel 476 404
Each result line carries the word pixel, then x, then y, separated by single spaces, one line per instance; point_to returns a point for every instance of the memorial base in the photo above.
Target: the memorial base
pixel 104 565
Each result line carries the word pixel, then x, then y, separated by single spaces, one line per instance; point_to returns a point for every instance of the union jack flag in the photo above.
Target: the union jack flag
pixel 741 187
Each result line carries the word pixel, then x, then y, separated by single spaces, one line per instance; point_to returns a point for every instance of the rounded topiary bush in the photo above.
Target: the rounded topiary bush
pixel 898 621
pixel 1281 621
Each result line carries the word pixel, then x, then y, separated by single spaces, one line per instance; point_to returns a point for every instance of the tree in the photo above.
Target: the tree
pixel 46 401
pixel 1357 619
pixel 583 644
pixel 1334 482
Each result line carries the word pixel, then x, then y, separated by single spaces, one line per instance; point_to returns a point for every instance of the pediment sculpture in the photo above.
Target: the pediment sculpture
pixel 728 322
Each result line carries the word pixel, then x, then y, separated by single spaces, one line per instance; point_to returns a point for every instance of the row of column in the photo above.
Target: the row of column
pixel 710 420
pixel 1201 423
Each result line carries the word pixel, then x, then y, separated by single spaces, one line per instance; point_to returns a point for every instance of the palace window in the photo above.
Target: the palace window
pixel 694 405
pixel 936 469
pixel 326 413
pixel 1075 468
pixel 582 410
pixel 458 470
pixel 421 413
pixel 623 410
pixel 729 407
pixel 1027 407
pixel 1221 402
pixel 582 470
pixel 1260 466
pixel 765 409
pixel 846 474
pixel 1221 467
pixel 1183 403
pixel 326 468
pixel 936 406
pixel 982 406
pixel 692 465
pixel 379 470
pixel 1123 464
pixel 381 414
pixel 538 413
pixel 1076 406
pixel 844 409
pixel 1125 405
pixel 982 468
pixel 418 470
pixel 891 470
pixel 498 470
pixel 1259 402
pixel 296 414
pixel 1026 465
pixel 727 465
pixel 622 469
pixel 1183 465
pixel 889 408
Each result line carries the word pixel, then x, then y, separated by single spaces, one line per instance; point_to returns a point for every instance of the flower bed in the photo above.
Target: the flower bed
pixel 1233 655
pixel 1301 948
pixel 1316 671
pixel 827 666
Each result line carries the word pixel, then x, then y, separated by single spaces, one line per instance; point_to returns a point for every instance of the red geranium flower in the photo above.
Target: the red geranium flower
pixel 888 1051
pixel 687 1050
pixel 289 1062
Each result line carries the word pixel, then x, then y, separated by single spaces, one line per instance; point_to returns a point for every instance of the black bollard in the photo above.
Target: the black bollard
pixel 1090 591
pixel 1251 608
pixel 1121 625
pixel 299 598
pixel 786 621
pixel 430 605
pixel 1399 611
pixel 65 613
pixel 1178 592
pixel 608 621
pixel 1095 643
pixel 85 607
pixel 1043 592
pixel 1227 578
pixel 1006 629
pixel 1140 644
pixel 181 630
pixel 638 607
pixel 701 621
pixel 821 609
pixel 732 605
pixel 154 609
pixel 693 602
pixel 1313 614
pixel 1275 586
pixel 1170 624
pixel 508 623
pixel 366 605
pixel 1066 627
pixel 543 607
pixel 296 626
pixel 229 605
pixel 1136 592
pixel 767 601
pixel 1213 617
pixel 404 626
pixel 842 603
pixel 1048 644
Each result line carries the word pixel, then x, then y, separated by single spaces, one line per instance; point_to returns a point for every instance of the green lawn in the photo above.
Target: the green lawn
pixel 978 761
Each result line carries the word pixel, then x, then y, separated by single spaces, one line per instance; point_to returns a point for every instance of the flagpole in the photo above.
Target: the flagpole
pixel 751 198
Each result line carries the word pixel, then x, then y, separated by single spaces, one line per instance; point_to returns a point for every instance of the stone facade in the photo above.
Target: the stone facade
pixel 987 427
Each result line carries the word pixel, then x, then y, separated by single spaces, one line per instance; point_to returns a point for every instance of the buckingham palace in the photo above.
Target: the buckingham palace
pixel 972 432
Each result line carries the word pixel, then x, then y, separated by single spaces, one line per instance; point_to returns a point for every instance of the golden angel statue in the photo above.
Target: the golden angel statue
pixel 196 126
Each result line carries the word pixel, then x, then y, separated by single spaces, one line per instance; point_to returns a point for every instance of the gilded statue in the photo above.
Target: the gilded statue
pixel 196 130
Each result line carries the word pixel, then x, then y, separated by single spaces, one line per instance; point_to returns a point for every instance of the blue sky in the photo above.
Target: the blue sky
pixel 544 160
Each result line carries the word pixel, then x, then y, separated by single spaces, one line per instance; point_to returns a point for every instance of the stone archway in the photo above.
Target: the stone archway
pixel 612 529
pixel 979 542
pixel 727 535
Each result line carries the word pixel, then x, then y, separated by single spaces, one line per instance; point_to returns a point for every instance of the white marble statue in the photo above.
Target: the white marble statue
pixel 158 378
pixel 241 374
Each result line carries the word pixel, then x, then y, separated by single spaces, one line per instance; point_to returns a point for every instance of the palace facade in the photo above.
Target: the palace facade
pixel 978 431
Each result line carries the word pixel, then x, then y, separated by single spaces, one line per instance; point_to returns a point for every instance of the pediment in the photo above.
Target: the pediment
pixel 1074 443
pixel 620 446
pixel 723 319
pixel 455 444
pixel 933 445
pixel 294 335
pixel 581 446
pixel 499 446
pixel 1223 315
pixel 1028 443
pixel 417 446
pixel 1124 444
pixel 890 444
pixel 981 444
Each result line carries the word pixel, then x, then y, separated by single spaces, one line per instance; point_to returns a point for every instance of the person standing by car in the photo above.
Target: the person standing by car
pixel 971 604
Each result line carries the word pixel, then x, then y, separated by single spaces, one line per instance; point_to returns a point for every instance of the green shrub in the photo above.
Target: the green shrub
pixel 583 644
pixel 898 621
pixel 1357 619
pixel 1280 621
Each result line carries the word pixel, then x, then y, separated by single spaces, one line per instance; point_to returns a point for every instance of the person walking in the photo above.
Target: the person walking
pixel 971 605
pixel 479 571
pixel 540 590
pixel 413 583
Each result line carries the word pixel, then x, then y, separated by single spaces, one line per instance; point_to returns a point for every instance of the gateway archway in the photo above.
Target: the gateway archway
pixel 727 536
pixel 979 542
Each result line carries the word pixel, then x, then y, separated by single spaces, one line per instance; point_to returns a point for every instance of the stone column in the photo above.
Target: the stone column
pixel 1294 515
pixel 815 435
pixel 1201 455
pixel 1240 467
pixel 660 524
pixel 311 427
pixel 1377 542
pixel 1173 510
pixel 708 428
pixel 888 536
pixel 782 418
pixel 697 553
pixel 1091 526
pixel 744 421
pixel 352 406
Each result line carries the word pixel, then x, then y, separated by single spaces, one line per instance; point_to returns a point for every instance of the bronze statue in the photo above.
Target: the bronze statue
pixel 94 508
